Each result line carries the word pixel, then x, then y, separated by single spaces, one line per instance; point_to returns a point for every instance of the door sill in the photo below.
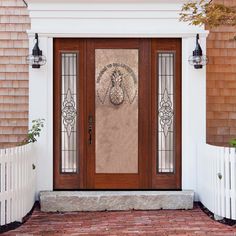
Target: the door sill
pixel 67 201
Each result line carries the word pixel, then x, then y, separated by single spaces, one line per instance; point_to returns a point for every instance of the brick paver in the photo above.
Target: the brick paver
pixel 161 222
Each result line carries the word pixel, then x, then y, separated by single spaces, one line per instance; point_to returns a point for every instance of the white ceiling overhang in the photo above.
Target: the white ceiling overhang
pixel 109 18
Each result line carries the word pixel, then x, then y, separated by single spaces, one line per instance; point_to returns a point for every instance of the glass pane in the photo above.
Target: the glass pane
pixel 68 113
pixel 166 116
pixel 116 110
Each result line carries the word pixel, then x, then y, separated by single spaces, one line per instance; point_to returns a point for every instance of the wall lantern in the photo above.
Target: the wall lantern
pixel 36 59
pixel 198 60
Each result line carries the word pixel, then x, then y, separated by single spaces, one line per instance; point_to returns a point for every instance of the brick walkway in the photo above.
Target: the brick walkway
pixel 162 222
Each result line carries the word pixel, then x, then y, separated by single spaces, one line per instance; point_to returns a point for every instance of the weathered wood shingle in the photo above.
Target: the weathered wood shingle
pixel 14 21
pixel 221 83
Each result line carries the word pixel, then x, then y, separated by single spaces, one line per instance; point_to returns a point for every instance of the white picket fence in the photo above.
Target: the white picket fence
pixel 17 183
pixel 216 179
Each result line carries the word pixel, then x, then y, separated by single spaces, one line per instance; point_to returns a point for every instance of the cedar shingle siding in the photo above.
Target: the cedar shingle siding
pixel 221 83
pixel 14 21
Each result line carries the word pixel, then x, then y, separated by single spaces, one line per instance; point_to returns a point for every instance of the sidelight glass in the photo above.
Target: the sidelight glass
pixel 69 112
pixel 116 110
pixel 166 114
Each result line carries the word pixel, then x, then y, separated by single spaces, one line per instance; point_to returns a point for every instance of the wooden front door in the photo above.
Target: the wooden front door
pixel 117 113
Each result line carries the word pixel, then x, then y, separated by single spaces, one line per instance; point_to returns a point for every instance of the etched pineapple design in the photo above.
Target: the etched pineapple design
pixel 116 91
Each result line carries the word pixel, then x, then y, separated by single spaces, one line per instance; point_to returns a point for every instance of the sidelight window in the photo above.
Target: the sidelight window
pixel 69 112
pixel 166 112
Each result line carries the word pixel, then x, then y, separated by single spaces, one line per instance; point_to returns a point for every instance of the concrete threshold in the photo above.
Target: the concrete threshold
pixel 67 201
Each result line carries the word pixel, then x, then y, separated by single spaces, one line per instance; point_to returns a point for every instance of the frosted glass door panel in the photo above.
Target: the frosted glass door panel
pixel 116 111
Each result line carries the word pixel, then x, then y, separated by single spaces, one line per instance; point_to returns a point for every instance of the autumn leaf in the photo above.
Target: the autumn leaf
pixel 205 12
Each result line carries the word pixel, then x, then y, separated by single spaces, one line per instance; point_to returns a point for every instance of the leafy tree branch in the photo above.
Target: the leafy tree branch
pixel 206 12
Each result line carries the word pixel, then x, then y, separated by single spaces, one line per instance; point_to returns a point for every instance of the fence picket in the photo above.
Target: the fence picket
pixel 222 189
pixel 218 205
pixel 8 190
pixel 3 192
pixel 233 182
pixel 227 182
pixel 214 179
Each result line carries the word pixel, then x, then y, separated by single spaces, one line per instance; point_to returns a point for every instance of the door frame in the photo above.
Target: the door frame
pixel 68 180
pixel 141 180
pixel 174 179
pixel 151 179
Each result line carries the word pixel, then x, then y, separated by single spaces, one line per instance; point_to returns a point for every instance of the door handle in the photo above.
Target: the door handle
pixel 90 128
pixel 90 135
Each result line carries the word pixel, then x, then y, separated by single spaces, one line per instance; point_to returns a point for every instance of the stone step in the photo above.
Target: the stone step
pixel 63 201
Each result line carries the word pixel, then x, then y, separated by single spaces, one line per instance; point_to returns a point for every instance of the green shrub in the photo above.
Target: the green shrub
pixel 35 130
pixel 232 142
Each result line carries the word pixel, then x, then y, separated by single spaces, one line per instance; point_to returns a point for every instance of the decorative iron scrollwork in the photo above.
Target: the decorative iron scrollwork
pixel 68 112
pixel 166 112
